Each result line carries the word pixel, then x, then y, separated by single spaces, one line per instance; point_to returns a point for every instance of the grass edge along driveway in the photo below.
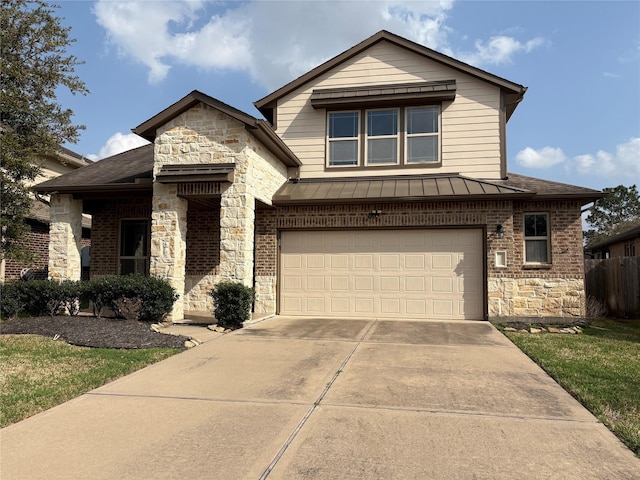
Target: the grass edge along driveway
pixel 37 373
pixel 600 368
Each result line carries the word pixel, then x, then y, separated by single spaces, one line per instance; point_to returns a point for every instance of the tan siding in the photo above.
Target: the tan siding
pixel 470 124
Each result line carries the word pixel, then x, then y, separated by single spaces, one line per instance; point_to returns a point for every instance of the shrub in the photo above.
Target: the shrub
pixel 11 299
pixel 232 302
pixel 40 297
pixel 148 298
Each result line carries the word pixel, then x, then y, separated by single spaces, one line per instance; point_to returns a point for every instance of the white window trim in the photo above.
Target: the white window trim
pixel 381 137
pixel 329 140
pixel 547 238
pixel 437 134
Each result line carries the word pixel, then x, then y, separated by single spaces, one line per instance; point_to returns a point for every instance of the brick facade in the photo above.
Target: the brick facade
pixel 37 242
pixel 515 290
pixel 107 215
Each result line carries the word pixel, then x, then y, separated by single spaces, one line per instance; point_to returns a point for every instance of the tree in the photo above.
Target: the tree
pixel 618 211
pixel 33 65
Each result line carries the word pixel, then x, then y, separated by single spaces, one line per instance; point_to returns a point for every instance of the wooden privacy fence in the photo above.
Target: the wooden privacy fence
pixel 616 283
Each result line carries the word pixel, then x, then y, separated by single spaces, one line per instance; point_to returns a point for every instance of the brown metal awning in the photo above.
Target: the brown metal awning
pixel 218 172
pixel 401 188
pixel 414 93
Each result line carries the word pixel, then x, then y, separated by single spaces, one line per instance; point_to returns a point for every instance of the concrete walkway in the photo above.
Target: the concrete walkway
pixel 325 399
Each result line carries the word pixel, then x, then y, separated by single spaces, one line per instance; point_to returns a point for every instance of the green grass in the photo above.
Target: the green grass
pixel 37 373
pixel 600 368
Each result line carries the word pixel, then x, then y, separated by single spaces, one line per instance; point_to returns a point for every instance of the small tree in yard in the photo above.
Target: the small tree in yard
pixel 232 302
pixel 34 65
pixel 615 213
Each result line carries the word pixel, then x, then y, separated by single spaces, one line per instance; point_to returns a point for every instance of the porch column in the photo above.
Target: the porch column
pixel 237 218
pixel 169 241
pixel 65 238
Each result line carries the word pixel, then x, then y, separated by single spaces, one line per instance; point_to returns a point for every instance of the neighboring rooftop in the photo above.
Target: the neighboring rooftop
pixel 633 232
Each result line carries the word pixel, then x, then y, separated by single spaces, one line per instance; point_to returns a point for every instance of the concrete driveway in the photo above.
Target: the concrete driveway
pixel 328 399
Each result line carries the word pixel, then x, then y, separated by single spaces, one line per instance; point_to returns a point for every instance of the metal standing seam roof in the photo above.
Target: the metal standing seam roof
pixel 454 187
pixel 321 98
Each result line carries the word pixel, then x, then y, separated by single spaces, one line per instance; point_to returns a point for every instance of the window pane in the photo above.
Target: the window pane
pixel 541 225
pixel 133 238
pixel 127 266
pixel 343 125
pixel 344 152
pixel 536 251
pixel 422 149
pixel 535 225
pixel 529 225
pixel 382 151
pixel 382 122
pixel 422 120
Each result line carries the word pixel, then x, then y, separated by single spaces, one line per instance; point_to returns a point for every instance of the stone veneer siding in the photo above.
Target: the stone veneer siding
pixel 204 135
pixel 555 290
pixel 65 238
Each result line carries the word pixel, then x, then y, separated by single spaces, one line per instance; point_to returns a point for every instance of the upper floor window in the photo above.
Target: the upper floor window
pixel 391 136
pixel 536 238
pixel 344 143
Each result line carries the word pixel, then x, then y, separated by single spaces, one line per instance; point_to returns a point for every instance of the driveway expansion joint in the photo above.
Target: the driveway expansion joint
pixel 316 404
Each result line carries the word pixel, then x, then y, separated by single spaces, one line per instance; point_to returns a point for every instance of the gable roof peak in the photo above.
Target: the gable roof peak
pixel 516 91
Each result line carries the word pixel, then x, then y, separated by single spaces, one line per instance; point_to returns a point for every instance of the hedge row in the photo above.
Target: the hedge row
pixel 132 296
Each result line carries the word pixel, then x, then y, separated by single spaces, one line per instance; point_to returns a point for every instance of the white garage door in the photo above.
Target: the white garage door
pixel 388 273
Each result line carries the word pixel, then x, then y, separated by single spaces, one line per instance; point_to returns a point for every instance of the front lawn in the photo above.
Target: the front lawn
pixel 600 367
pixel 37 373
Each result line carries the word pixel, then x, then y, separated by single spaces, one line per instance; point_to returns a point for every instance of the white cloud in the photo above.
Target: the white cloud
pixel 118 143
pixel 543 158
pixel 625 162
pixel 277 41
pixel 499 49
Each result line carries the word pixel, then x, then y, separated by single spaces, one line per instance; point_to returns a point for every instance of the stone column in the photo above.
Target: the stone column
pixel 65 238
pixel 237 218
pixel 169 242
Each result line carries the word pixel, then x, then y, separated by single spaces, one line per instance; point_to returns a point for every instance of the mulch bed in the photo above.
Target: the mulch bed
pixel 94 332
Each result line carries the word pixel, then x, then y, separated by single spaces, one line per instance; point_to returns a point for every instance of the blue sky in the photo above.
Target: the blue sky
pixel 579 122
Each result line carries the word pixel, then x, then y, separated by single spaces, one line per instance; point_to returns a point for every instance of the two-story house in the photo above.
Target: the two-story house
pixel 377 186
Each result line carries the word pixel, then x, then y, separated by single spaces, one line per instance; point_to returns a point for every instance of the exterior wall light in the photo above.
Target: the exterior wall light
pixel 500 231
pixel 374 213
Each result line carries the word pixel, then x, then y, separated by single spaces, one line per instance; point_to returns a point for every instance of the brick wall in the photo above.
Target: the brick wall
pixel 203 241
pixel 37 242
pixel 106 230
pixel 517 289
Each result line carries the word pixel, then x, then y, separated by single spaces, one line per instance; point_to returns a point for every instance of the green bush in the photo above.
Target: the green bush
pixel 232 302
pixel 40 297
pixel 11 299
pixel 154 296
pixel 145 298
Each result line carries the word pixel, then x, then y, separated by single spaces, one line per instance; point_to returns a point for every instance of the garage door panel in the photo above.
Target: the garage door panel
pixel 394 273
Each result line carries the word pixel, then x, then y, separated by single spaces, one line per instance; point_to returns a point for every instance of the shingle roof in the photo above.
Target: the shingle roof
pixel 125 171
pixel 548 188
pixel 620 237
